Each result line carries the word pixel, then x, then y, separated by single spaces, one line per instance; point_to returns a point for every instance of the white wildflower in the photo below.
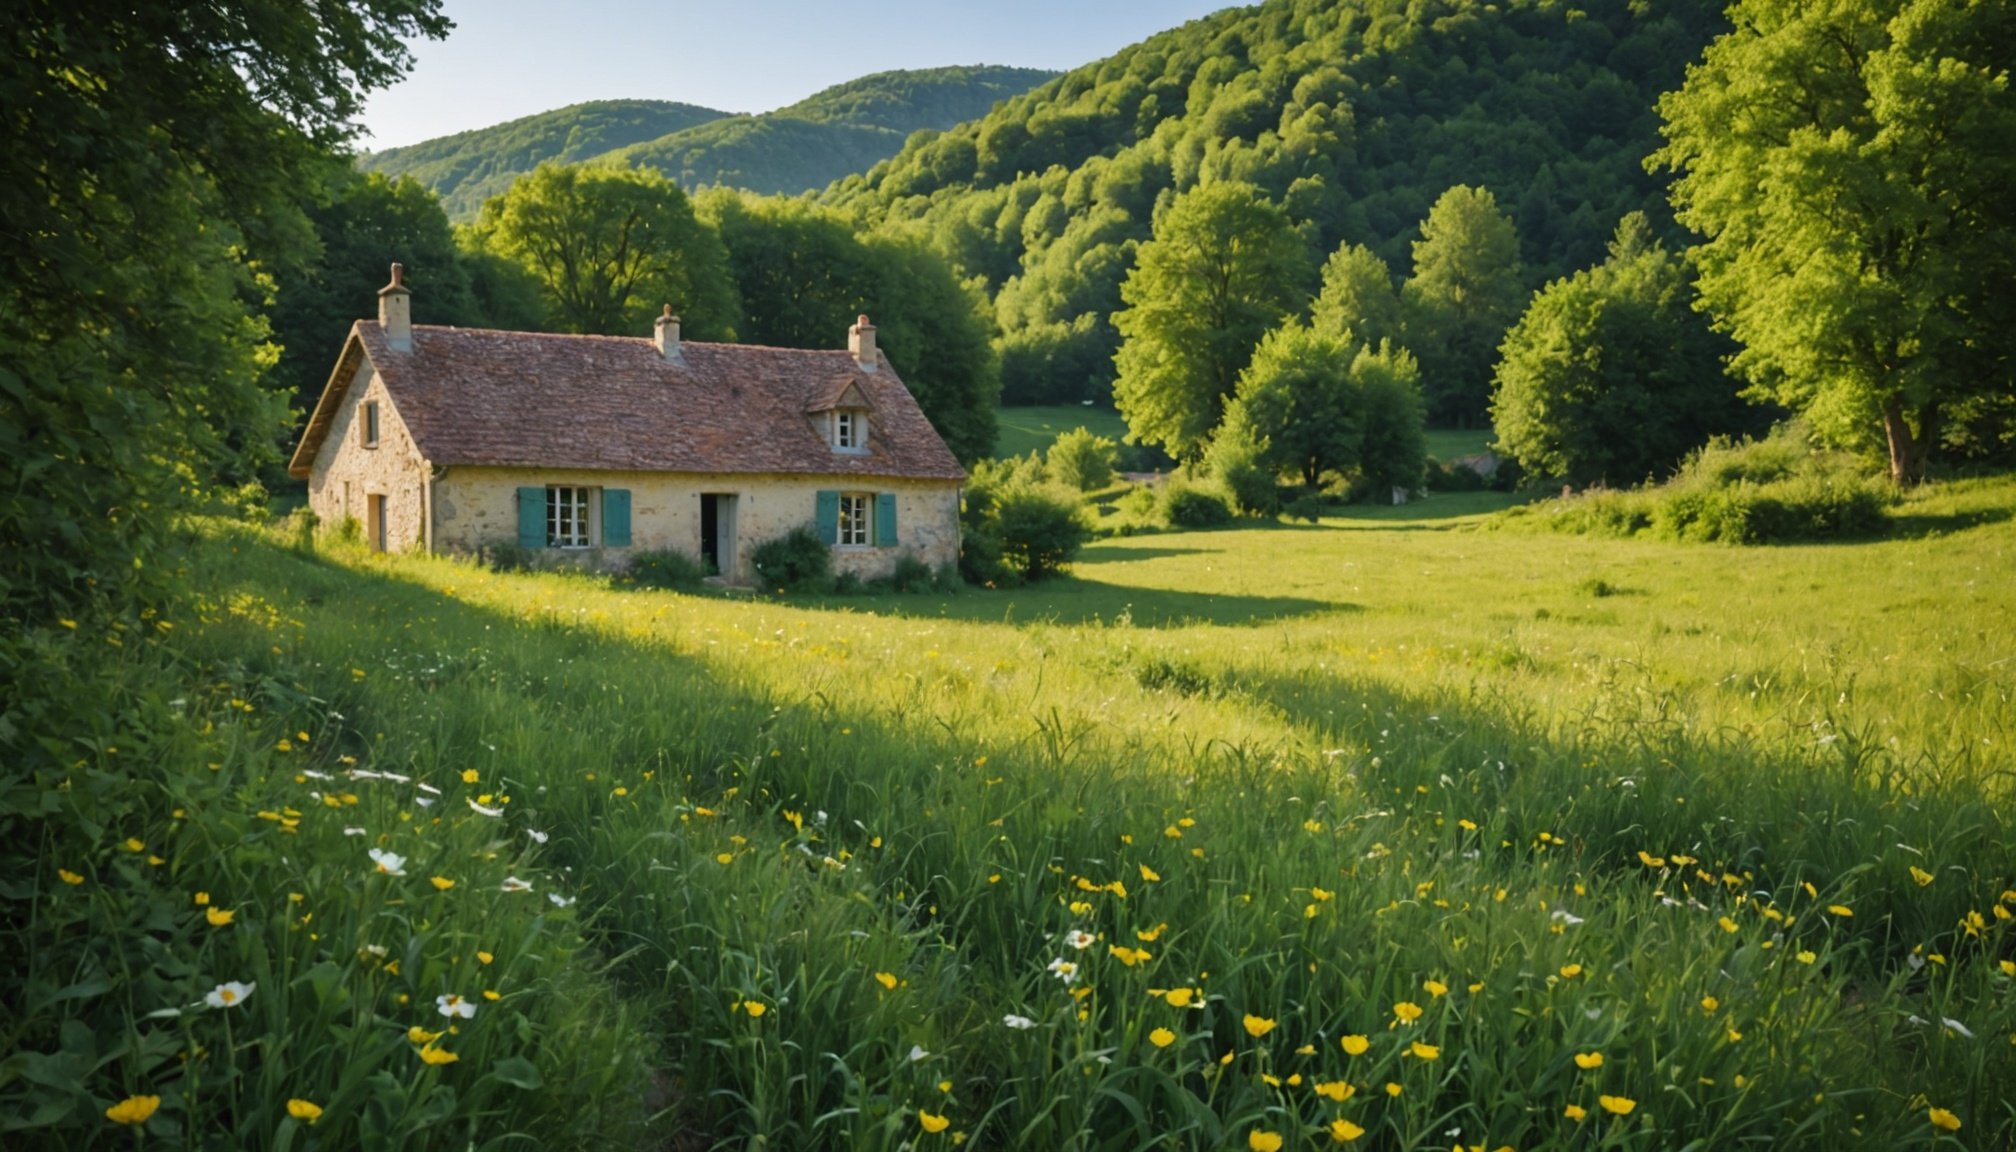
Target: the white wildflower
pixel 389 863
pixel 228 993
pixel 513 884
pixel 455 1006
pixel 1019 1023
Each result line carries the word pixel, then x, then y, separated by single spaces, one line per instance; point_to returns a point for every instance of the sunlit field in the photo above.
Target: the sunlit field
pixel 1393 831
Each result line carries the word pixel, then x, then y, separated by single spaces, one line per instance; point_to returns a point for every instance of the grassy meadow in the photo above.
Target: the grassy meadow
pixel 1392 831
pixel 1034 429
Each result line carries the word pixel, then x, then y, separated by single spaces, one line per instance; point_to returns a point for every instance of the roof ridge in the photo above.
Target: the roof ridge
pixel 625 339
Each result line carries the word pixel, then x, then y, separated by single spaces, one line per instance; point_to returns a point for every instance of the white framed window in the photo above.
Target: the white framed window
pixel 567 516
pixel 856 511
pixel 367 429
pixel 849 431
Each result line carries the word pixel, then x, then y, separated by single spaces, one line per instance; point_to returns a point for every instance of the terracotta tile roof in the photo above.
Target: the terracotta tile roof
pixel 473 396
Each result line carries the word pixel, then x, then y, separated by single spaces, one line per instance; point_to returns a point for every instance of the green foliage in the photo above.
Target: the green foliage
pixel 1297 409
pixel 1394 451
pixel 1465 292
pixel 1187 505
pixel 1358 302
pixel 1016 526
pixel 797 561
pixel 1237 461
pixel 1082 459
pixel 663 568
pixel 468 168
pixel 1848 166
pixel 1776 490
pixel 1354 120
pixel 609 248
pixel 803 273
pixel 1612 374
pixel 844 129
pixel 367 224
pixel 1223 268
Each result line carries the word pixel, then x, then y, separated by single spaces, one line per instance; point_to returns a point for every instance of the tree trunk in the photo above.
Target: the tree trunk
pixel 1907 453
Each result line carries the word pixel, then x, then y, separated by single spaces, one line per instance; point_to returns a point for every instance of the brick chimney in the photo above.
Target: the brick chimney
pixel 395 311
pixel 861 342
pixel 667 335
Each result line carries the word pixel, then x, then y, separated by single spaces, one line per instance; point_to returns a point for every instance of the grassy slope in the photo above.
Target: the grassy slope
pixel 1034 429
pixel 1329 705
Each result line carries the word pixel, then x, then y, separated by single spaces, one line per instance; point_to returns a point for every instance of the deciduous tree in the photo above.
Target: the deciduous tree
pixel 1612 374
pixel 1224 267
pixel 1464 293
pixel 610 247
pixel 1851 167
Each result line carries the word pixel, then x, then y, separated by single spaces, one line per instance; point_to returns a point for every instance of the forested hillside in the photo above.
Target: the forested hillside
pixel 843 129
pixel 470 167
pixel 1354 117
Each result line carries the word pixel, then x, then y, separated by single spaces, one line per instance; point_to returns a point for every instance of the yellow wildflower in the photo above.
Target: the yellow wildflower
pixel 432 1055
pixel 68 877
pixel 218 917
pixel 1840 910
pixel 1260 1140
pixel 1355 1045
pixel 1161 1037
pixel 442 883
pixel 470 776
pixel 1149 875
pixel 1617 1105
pixel 1575 1112
pixel 305 1111
pixel 1435 988
pixel 755 1008
pixel 1336 1090
pixel 134 1110
pixel 1941 1118
pixel 1258 1026
pixel 1424 1051
pixel 1407 1012
pixel 930 1123
pixel 1344 1132
pixel 1570 971
pixel 1588 1060
pixel 1921 876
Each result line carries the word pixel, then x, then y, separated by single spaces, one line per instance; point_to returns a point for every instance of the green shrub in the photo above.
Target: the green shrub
pixel 498 555
pixel 1041 530
pixel 664 568
pixel 1187 506
pixel 911 575
pixel 1453 477
pixel 797 561
pixel 1082 460
pixel 1237 463
pixel 1309 506
pixel 1750 492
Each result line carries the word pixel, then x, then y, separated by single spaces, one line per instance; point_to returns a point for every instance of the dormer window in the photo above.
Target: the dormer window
pixel 850 432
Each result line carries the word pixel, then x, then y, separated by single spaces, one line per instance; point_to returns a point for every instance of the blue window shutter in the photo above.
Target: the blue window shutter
pixel 826 516
pixel 885 519
pixel 531 517
pixel 616 518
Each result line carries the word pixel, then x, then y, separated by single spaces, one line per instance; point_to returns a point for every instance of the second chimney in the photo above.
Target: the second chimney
pixel 667 338
pixel 395 311
pixel 861 342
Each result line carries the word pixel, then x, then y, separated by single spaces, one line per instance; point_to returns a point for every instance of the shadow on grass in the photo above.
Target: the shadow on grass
pixel 1077 600
pixel 1936 523
pixel 1116 554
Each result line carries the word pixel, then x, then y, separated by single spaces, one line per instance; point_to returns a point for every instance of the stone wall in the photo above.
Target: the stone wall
pixel 474 507
pixel 346 473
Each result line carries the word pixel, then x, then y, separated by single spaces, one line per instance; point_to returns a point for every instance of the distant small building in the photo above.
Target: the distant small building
pixel 590 448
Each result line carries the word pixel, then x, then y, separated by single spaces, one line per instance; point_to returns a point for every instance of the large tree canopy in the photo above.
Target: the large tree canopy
pixel 1852 168
pixel 153 151
pixel 803 274
pixel 1612 374
pixel 610 247
pixel 1464 293
pixel 1223 268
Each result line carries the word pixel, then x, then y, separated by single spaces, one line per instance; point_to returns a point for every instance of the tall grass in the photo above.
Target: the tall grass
pixel 1736 828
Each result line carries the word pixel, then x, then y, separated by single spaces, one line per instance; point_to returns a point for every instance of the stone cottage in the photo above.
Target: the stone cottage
pixel 590 448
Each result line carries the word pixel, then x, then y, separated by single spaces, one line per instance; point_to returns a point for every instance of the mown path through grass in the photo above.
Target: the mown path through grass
pixel 1731 821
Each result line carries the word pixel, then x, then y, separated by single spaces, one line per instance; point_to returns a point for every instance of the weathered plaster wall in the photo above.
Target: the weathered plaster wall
pixel 478 506
pixel 346 473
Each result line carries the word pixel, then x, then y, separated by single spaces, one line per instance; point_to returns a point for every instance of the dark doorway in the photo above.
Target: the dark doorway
pixel 710 532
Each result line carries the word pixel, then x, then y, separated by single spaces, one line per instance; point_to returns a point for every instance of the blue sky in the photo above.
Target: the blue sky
pixel 511 58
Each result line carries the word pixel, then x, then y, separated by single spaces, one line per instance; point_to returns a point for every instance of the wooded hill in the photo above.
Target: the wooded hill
pixel 808 145
pixel 1354 116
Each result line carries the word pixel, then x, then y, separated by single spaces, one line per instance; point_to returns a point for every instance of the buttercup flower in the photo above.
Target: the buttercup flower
pixel 219 917
pixel 1161 1037
pixel 930 1123
pixel 134 1110
pixel 1336 1090
pixel 1406 1012
pixel 1617 1105
pixel 1941 1118
pixel 1588 1060
pixel 1355 1045
pixel 1262 1141
pixel 432 1055
pixel 1344 1132
pixel 1258 1026
pixel 305 1111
